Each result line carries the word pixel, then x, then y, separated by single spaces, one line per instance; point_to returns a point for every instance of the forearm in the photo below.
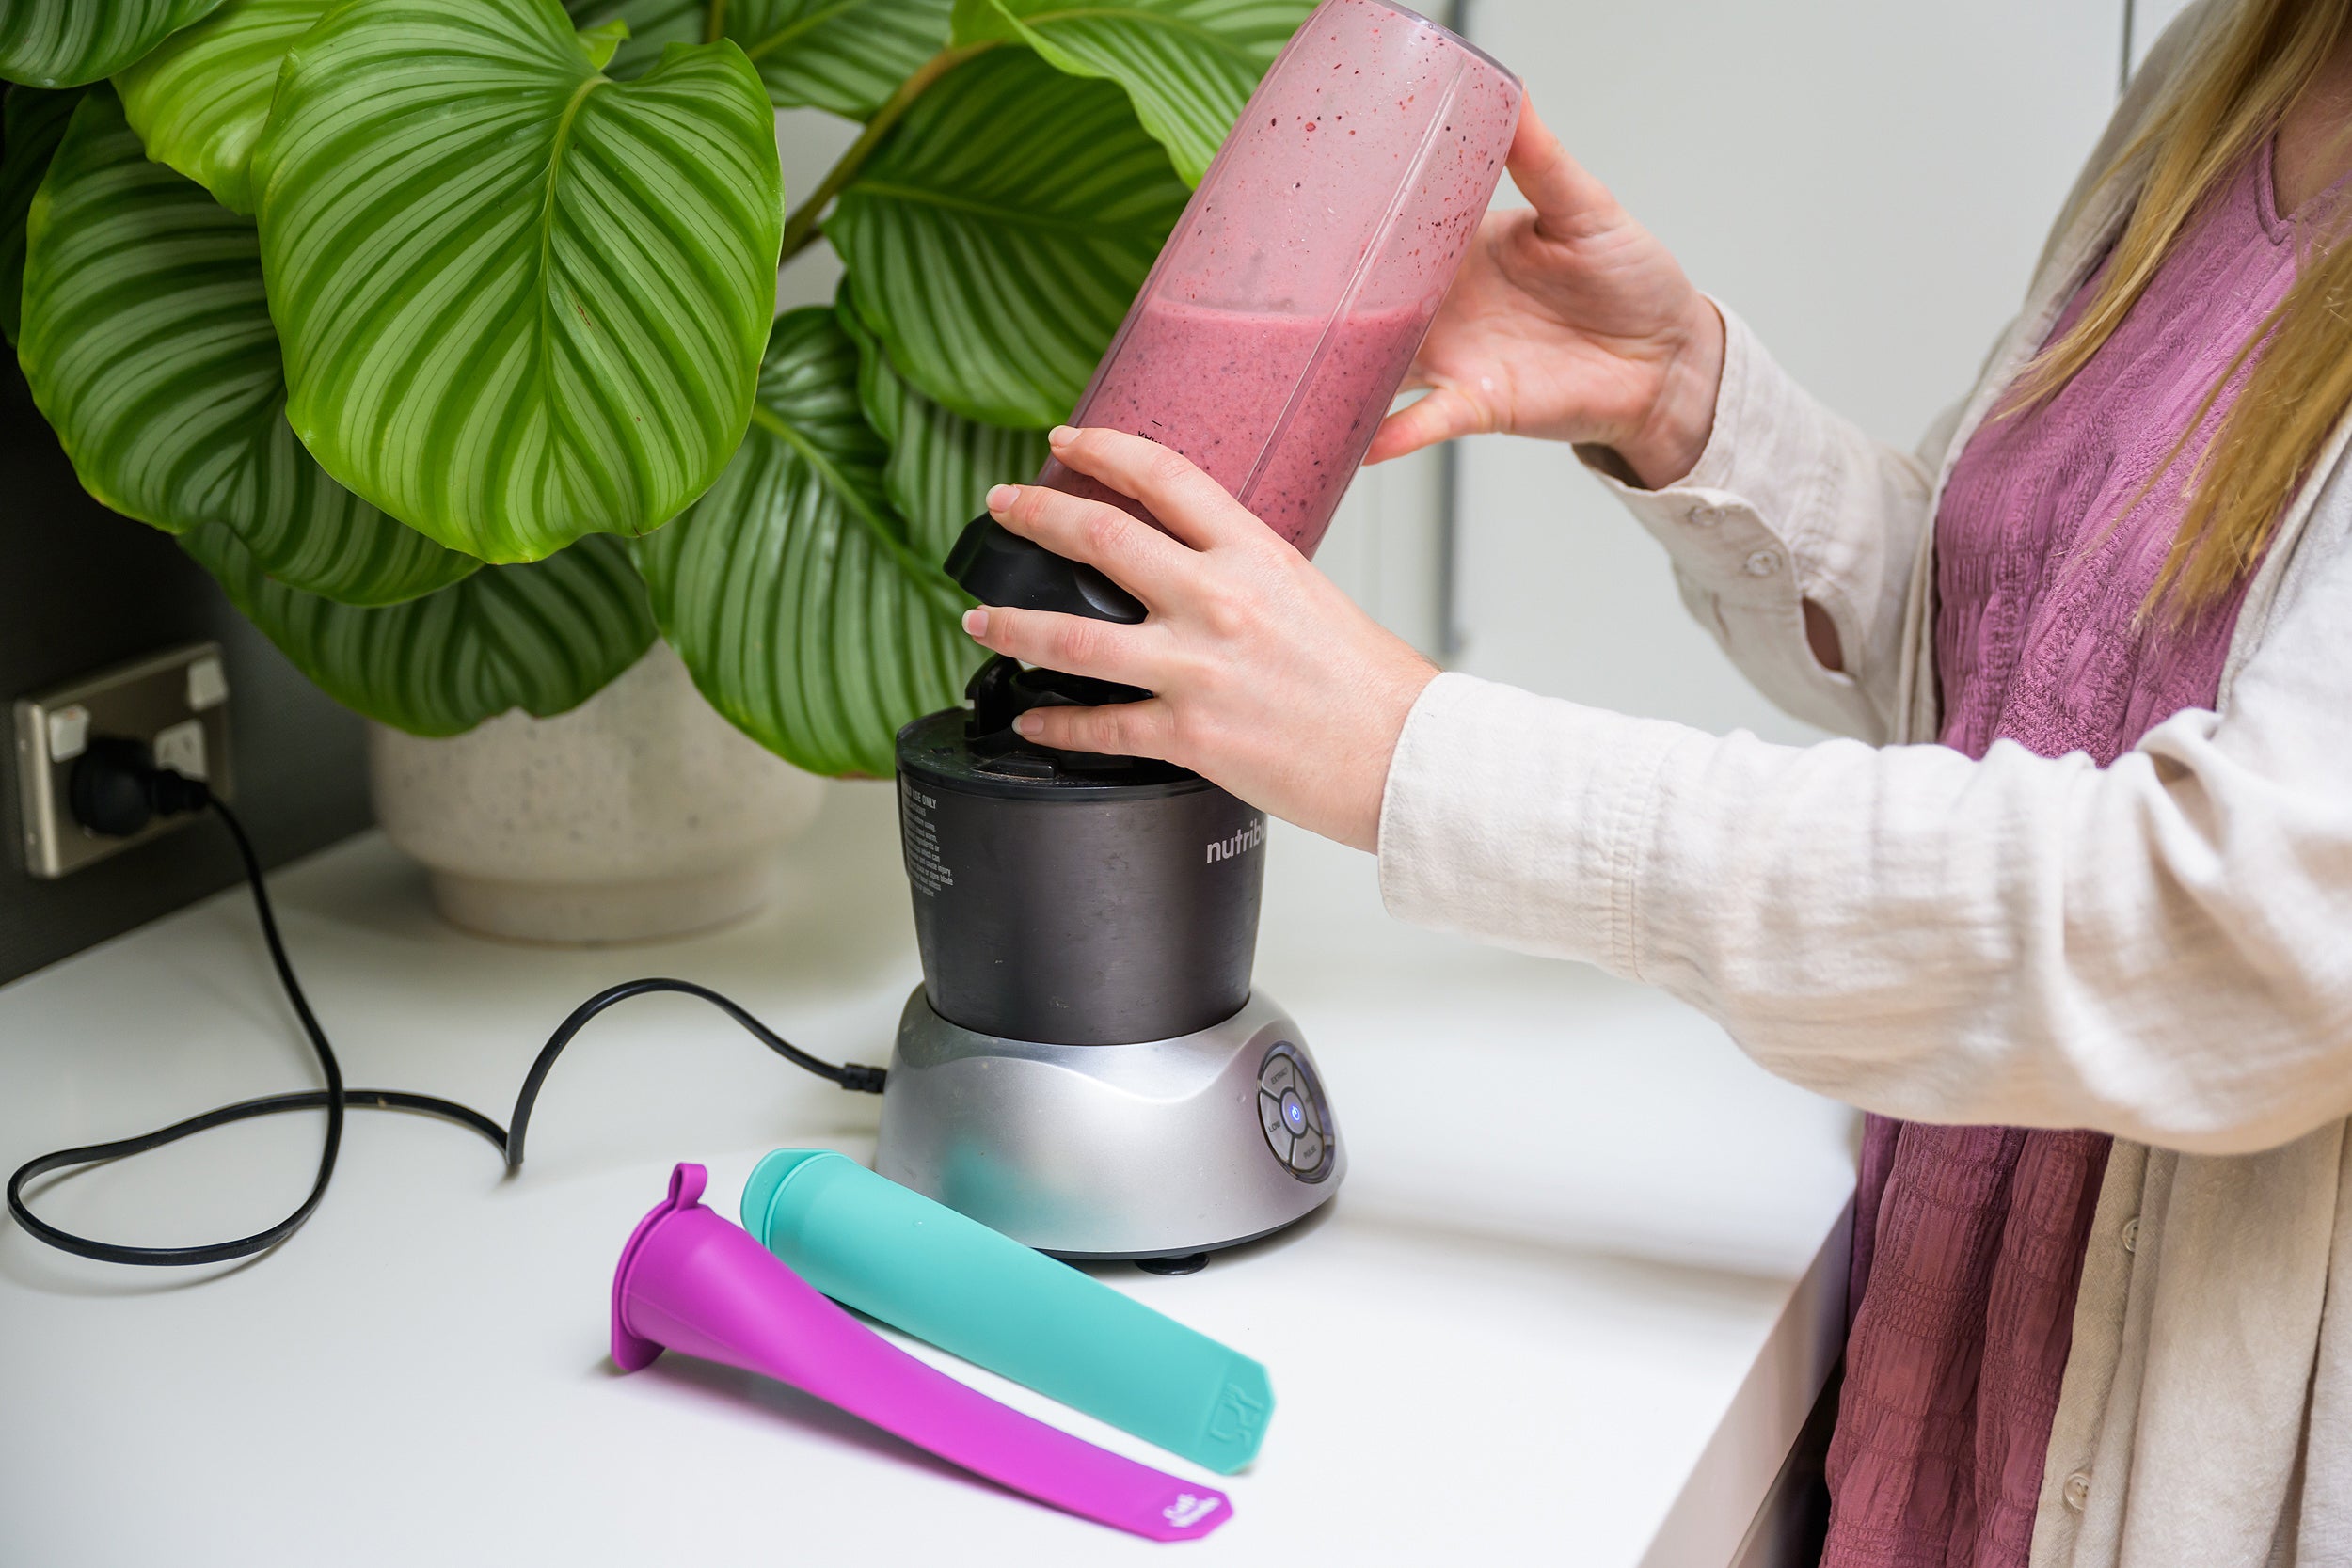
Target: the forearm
pixel 2019 940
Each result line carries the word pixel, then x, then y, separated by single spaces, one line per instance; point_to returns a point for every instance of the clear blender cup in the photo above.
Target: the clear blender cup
pixel 1274 329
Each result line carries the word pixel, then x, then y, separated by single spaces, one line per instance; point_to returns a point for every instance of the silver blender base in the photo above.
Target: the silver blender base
pixel 1154 1150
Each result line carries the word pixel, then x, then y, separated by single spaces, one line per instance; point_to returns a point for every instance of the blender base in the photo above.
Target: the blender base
pixel 1153 1150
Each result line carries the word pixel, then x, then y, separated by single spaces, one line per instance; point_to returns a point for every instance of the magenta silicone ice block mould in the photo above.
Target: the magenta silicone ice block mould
pixel 692 1281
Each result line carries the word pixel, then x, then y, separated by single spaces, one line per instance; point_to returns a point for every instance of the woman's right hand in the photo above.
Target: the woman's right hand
pixel 1570 322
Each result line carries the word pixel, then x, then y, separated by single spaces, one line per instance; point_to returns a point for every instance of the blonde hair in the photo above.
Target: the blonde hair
pixel 2233 96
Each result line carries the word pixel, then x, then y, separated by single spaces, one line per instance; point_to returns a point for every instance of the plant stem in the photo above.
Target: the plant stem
pixel 715 22
pixel 799 229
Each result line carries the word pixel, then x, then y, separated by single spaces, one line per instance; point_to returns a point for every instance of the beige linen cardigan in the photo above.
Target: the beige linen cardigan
pixel 2161 949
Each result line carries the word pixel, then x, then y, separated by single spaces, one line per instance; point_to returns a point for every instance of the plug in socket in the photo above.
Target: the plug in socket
pixel 177 702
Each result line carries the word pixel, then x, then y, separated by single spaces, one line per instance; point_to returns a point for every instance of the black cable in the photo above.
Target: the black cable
pixel 867 1080
pixel 170 793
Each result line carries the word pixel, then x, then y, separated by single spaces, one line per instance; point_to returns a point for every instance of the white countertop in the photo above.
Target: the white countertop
pixel 1576 1298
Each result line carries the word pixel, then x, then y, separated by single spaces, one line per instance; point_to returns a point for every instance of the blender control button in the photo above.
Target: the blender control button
pixel 1278 1136
pixel 1294 1112
pixel 1306 1154
pixel 1280 1076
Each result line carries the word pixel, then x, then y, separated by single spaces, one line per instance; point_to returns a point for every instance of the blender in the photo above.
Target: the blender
pixel 1087 1066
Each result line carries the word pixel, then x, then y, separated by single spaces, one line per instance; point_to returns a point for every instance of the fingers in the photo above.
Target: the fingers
pixel 1145 729
pixel 1074 644
pixel 1194 507
pixel 1565 198
pixel 1443 415
pixel 1138 557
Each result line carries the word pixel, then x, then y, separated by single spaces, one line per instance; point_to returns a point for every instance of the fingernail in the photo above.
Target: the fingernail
pixel 976 622
pixel 1061 435
pixel 1029 724
pixel 1001 496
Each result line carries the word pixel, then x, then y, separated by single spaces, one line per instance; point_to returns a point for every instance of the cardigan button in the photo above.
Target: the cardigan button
pixel 1704 516
pixel 2077 1490
pixel 2131 1234
pixel 1763 563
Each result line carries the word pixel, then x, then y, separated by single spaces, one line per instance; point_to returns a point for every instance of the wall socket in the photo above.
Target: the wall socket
pixel 175 701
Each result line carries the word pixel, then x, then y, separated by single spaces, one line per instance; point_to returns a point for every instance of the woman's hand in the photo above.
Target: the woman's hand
pixel 1569 322
pixel 1268 681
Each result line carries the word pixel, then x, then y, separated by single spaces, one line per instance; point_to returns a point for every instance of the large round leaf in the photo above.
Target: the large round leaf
pixel 1190 64
pixel 148 346
pixel 792 590
pixel 940 463
pixel 198 100
pixel 63 43
pixel 998 234
pixel 520 302
pixel 31 125
pixel 847 55
pixel 543 638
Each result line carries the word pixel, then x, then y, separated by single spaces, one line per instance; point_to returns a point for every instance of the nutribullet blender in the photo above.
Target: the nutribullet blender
pixel 1087 1066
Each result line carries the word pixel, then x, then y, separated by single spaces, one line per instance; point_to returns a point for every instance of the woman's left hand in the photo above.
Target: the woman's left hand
pixel 1267 680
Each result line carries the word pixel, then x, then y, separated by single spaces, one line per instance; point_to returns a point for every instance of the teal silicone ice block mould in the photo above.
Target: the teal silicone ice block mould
pixel 894 1254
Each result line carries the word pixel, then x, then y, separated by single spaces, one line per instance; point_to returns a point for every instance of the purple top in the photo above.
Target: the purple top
pixel 1968 1240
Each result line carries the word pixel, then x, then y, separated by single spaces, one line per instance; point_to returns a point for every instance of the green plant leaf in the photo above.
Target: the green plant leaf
pixel 1190 64
pixel 543 638
pixel 65 43
pixel 601 41
pixel 998 234
pixel 653 26
pixel 847 55
pixel 791 589
pixel 519 301
pixel 940 463
pixel 200 98
pixel 148 346
pixel 32 121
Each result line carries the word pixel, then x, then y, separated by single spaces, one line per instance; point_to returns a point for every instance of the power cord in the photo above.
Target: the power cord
pixel 116 789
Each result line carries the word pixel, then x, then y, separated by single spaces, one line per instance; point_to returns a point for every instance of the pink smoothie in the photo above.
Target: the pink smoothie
pixel 1215 385
pixel 1275 327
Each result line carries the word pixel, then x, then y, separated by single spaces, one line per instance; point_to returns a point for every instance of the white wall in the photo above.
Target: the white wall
pixel 1867 183
pixel 808 143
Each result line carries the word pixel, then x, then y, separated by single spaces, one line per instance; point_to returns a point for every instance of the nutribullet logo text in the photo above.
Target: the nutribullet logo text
pixel 1240 844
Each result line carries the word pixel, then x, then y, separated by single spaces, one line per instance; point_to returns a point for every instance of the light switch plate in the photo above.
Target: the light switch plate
pixel 177 702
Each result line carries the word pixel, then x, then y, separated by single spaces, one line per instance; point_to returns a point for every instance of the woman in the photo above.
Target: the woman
pixel 2072 915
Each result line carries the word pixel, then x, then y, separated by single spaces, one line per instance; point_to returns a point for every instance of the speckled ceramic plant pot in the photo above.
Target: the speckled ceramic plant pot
pixel 639 814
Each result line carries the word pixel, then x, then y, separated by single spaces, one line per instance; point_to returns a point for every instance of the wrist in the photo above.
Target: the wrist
pixel 1674 433
pixel 1404 694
